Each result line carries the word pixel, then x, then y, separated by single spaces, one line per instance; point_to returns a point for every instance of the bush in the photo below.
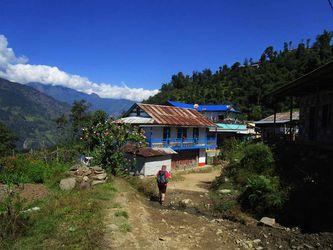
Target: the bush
pixel 232 150
pixel 257 157
pixel 24 169
pixel 12 221
pixel 262 194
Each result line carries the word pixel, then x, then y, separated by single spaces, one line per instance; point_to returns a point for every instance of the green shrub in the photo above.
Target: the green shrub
pixel 24 169
pixel 12 221
pixel 262 194
pixel 232 150
pixel 257 157
pixel 121 213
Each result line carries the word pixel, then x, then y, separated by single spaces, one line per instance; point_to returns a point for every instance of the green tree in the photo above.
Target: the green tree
pixel 7 140
pixel 61 121
pixel 98 116
pixel 79 117
pixel 245 85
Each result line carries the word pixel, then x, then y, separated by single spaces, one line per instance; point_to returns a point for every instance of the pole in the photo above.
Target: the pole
pixel 274 125
pixel 291 118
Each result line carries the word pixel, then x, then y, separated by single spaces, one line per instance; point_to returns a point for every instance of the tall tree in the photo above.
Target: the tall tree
pixel 79 116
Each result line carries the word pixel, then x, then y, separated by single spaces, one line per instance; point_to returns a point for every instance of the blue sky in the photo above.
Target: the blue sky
pixel 142 43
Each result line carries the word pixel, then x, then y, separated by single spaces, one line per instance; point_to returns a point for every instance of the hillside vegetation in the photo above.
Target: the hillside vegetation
pixel 244 85
pixel 29 114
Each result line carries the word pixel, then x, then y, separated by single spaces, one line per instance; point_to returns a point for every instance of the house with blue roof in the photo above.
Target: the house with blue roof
pixel 215 113
pixel 224 116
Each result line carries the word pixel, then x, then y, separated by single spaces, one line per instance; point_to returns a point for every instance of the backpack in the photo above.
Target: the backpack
pixel 161 178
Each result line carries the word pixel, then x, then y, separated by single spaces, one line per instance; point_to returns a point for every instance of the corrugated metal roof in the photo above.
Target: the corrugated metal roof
pixel 280 118
pixel 167 115
pixel 136 120
pixel 224 127
pixel 148 152
pixel 218 107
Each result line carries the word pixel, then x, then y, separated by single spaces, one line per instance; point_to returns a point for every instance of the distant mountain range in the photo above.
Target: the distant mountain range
pixel 30 114
pixel 114 107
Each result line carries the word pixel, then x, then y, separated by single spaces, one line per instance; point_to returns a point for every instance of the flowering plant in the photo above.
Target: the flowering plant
pixel 106 140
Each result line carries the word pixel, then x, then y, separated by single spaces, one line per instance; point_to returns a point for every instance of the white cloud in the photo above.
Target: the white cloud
pixel 17 69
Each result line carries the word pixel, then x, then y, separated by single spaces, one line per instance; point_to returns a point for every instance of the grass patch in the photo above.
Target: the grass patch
pixel 67 220
pixel 146 186
pixel 125 227
pixel 121 213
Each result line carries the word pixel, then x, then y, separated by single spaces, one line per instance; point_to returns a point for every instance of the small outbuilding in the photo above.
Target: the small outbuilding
pixel 278 126
pixel 147 161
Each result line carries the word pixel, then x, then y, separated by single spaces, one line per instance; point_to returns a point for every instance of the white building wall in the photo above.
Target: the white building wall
pixel 202 157
pixel 154 164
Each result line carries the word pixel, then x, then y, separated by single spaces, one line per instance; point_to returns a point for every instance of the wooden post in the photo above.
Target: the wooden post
pixel 291 119
pixel 274 123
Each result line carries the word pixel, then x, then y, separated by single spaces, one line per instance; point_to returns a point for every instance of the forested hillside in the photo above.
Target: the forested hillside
pixel 30 114
pixel 245 84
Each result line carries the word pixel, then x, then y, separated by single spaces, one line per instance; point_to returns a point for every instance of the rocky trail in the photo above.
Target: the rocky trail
pixel 187 227
pixel 155 227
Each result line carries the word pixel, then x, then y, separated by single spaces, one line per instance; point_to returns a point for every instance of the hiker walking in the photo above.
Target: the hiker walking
pixel 163 177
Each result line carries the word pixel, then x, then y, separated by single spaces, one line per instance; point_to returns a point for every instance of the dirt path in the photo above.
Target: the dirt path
pixel 174 227
pixel 154 227
pixel 197 182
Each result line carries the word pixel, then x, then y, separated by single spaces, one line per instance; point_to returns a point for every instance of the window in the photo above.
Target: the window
pixel 166 133
pixel 184 133
pixel 181 133
pixel 137 111
pixel 195 133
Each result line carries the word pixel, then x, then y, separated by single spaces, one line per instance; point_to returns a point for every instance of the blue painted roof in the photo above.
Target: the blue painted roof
pixel 220 107
pixel 231 126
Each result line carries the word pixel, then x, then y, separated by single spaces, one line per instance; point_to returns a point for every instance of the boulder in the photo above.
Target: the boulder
pixel 268 221
pixel 225 191
pixel 95 182
pixel 97 168
pixel 75 167
pixel 67 184
pixel 99 176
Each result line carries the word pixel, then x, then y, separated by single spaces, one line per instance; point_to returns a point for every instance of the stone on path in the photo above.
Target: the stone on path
pixel 225 191
pixel 268 221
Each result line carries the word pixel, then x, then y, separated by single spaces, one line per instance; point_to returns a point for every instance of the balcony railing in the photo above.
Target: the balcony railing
pixel 179 144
